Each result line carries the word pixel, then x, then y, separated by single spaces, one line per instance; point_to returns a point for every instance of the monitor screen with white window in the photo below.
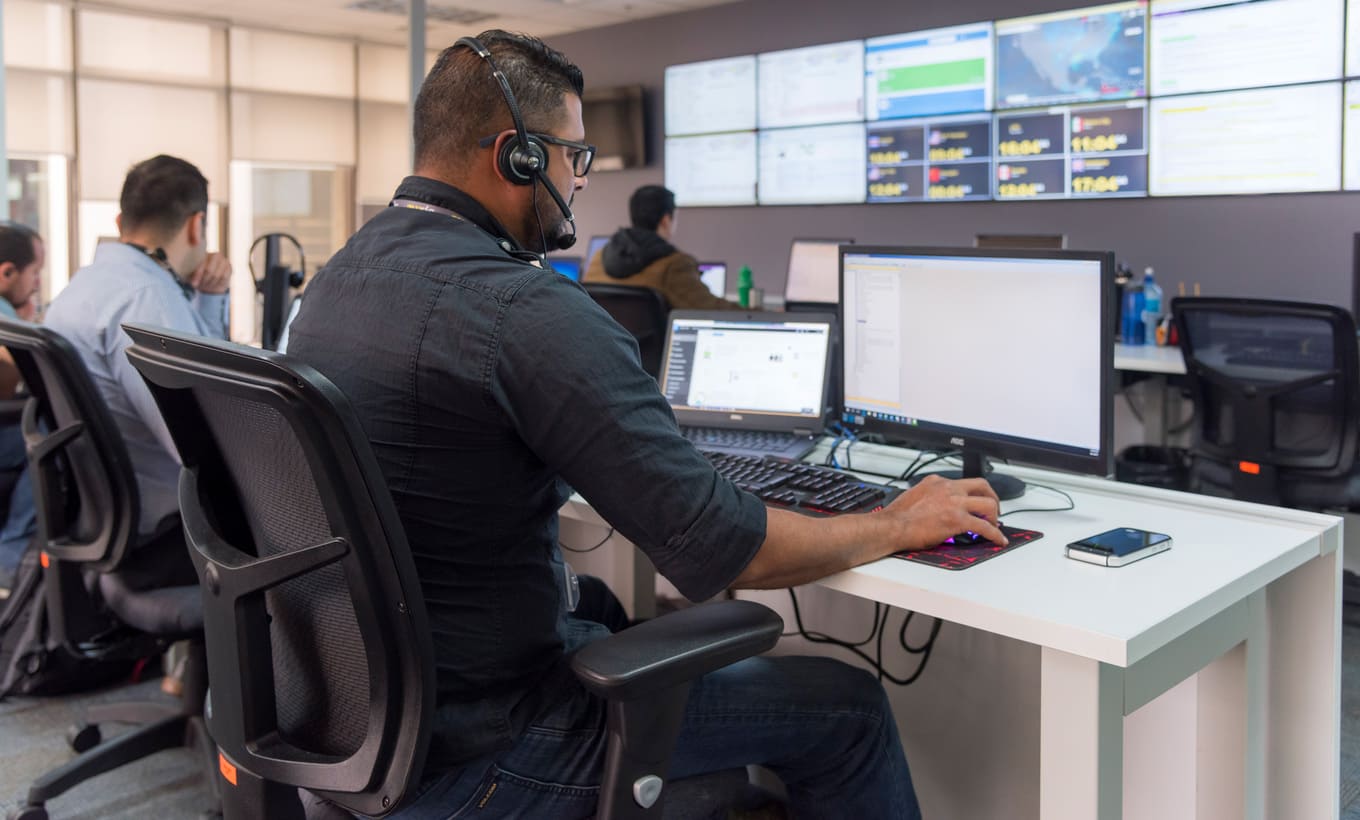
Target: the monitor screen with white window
pixel 816 85
pixel 812 166
pixel 711 97
pixel 814 271
pixel 714 169
pixel 934 352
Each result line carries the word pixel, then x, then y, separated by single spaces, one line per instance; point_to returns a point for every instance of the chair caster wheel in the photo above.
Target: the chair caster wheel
pixel 28 813
pixel 83 737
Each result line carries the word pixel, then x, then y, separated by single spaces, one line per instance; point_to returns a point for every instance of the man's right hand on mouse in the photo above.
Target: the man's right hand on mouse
pixel 937 509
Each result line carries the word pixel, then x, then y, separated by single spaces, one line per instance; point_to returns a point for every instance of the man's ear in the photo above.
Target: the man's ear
pixel 195 228
pixel 8 269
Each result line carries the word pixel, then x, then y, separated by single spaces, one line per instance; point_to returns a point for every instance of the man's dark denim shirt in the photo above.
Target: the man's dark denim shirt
pixel 489 388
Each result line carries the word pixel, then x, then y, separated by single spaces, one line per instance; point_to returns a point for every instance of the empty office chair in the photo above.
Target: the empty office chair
pixel 642 312
pixel 318 645
pixel 86 499
pixel 1276 387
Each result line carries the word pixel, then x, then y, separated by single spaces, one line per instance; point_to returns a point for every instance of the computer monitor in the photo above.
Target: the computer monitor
pixel 814 276
pixel 568 266
pixel 1002 353
pixel 1036 241
pixel 714 276
pixel 596 245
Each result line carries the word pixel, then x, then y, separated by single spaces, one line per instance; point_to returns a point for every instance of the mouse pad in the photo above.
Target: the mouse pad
pixel 948 556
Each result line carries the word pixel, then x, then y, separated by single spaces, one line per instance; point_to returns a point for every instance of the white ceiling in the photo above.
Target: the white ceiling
pixel 542 18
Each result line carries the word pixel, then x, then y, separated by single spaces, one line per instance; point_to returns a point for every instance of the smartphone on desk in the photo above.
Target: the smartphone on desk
pixel 1119 546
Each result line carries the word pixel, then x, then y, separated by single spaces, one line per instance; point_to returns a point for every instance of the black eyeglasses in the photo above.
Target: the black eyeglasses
pixel 582 154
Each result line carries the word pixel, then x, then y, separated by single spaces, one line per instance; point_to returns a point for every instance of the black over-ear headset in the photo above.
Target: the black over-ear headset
pixel 523 160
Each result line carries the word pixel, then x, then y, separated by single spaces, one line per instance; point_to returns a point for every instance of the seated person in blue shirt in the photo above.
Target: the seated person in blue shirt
pixel 22 256
pixel 503 386
pixel 159 273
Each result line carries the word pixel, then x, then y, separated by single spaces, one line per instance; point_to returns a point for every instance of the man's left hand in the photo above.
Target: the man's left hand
pixel 213 276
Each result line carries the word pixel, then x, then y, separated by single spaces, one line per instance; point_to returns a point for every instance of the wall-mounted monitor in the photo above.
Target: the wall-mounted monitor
pixel 811 166
pixel 711 97
pixel 936 159
pixel 714 169
pixel 1210 45
pixel 1084 152
pixel 925 73
pixel 1352 38
pixel 615 124
pixel 1080 55
pixel 1268 140
pixel 1351 161
pixel 811 86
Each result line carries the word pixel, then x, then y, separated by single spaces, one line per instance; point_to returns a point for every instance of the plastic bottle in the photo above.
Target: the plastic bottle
pixel 1152 307
pixel 1131 315
pixel 744 285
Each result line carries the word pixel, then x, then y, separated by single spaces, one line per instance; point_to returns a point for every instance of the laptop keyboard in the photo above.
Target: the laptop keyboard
pixel 802 487
pixel 757 440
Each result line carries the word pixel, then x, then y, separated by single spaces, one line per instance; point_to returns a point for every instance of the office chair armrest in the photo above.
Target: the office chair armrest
pixel 11 411
pixel 674 649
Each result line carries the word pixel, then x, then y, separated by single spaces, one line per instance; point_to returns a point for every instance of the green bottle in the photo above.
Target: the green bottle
pixel 744 285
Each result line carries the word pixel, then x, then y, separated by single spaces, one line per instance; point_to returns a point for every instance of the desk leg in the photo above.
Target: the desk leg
pixel 1230 753
pixel 1303 707
pixel 1081 738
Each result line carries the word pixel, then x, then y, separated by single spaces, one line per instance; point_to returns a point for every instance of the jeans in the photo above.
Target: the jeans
pixel 824 727
pixel 21 521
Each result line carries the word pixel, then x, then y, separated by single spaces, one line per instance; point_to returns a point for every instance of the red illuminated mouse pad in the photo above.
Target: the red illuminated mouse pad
pixel 949 556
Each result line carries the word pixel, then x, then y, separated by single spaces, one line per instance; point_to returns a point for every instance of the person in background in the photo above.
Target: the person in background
pixel 643 256
pixel 22 256
pixel 159 273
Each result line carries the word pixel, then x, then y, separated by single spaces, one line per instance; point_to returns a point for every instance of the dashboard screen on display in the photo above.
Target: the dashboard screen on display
pixel 1352 136
pixel 1210 45
pixel 717 169
pixel 935 159
pixel 710 97
pixel 812 166
pixel 812 86
pixel 1268 140
pixel 1078 151
pixel 1072 56
pixel 941 71
pixel 1352 38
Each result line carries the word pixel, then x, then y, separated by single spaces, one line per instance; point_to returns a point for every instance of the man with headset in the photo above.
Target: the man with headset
pixel 490 387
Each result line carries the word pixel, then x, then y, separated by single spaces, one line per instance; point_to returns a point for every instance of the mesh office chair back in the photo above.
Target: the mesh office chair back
pixel 642 312
pixel 1277 392
pixel 318 645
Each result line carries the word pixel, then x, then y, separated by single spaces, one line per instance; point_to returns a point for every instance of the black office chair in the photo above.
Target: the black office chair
pixel 318 647
pixel 642 312
pixel 1277 392
pixel 86 500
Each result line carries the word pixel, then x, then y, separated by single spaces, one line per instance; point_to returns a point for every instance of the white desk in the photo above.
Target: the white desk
pixel 1149 359
pixel 1246 605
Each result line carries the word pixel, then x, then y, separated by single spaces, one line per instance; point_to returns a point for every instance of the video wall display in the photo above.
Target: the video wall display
pixel 1127 99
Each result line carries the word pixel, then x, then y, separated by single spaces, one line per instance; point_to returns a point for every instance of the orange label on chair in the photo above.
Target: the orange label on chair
pixel 228 770
pixel 1249 467
pixel 44 560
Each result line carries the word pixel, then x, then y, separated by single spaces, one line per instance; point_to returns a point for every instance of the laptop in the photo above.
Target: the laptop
pixel 596 245
pixel 714 276
pixel 568 266
pixel 748 383
pixel 814 277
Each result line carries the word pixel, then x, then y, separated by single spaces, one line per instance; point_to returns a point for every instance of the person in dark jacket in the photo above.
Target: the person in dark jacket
pixel 643 255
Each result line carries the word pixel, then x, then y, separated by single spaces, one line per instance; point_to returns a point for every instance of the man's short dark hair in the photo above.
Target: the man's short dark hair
pixel 16 244
pixel 460 102
pixel 649 204
pixel 160 193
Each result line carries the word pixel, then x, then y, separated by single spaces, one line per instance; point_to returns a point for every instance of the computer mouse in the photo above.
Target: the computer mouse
pixel 968 539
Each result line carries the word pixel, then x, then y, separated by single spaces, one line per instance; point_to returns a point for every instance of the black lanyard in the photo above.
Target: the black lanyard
pixel 158 256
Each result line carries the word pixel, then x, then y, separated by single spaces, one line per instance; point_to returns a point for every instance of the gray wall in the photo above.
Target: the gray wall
pixel 1284 245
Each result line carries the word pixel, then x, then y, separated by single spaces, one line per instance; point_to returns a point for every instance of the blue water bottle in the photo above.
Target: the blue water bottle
pixel 1152 307
pixel 1131 316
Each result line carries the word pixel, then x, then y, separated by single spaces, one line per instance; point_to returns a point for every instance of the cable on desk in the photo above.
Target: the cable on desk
pixel 881 613
pixel 1071 505
pixel 917 465
pixel 607 536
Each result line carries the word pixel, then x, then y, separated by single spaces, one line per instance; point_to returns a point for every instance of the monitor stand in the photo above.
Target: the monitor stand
pixel 975 465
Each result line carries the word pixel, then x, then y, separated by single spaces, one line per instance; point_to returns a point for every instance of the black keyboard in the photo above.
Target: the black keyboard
pixel 811 490
pixel 745 439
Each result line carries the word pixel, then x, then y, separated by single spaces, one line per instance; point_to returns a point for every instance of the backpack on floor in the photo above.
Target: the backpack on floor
pixel 31 663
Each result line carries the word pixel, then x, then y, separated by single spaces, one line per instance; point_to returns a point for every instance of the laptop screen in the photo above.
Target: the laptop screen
pixel 760 363
pixel 714 276
pixel 568 266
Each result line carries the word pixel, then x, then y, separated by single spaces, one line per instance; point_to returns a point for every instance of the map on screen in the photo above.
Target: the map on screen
pixel 1087 54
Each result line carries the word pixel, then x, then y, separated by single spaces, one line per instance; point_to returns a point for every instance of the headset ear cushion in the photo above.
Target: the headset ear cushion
pixel 520 165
